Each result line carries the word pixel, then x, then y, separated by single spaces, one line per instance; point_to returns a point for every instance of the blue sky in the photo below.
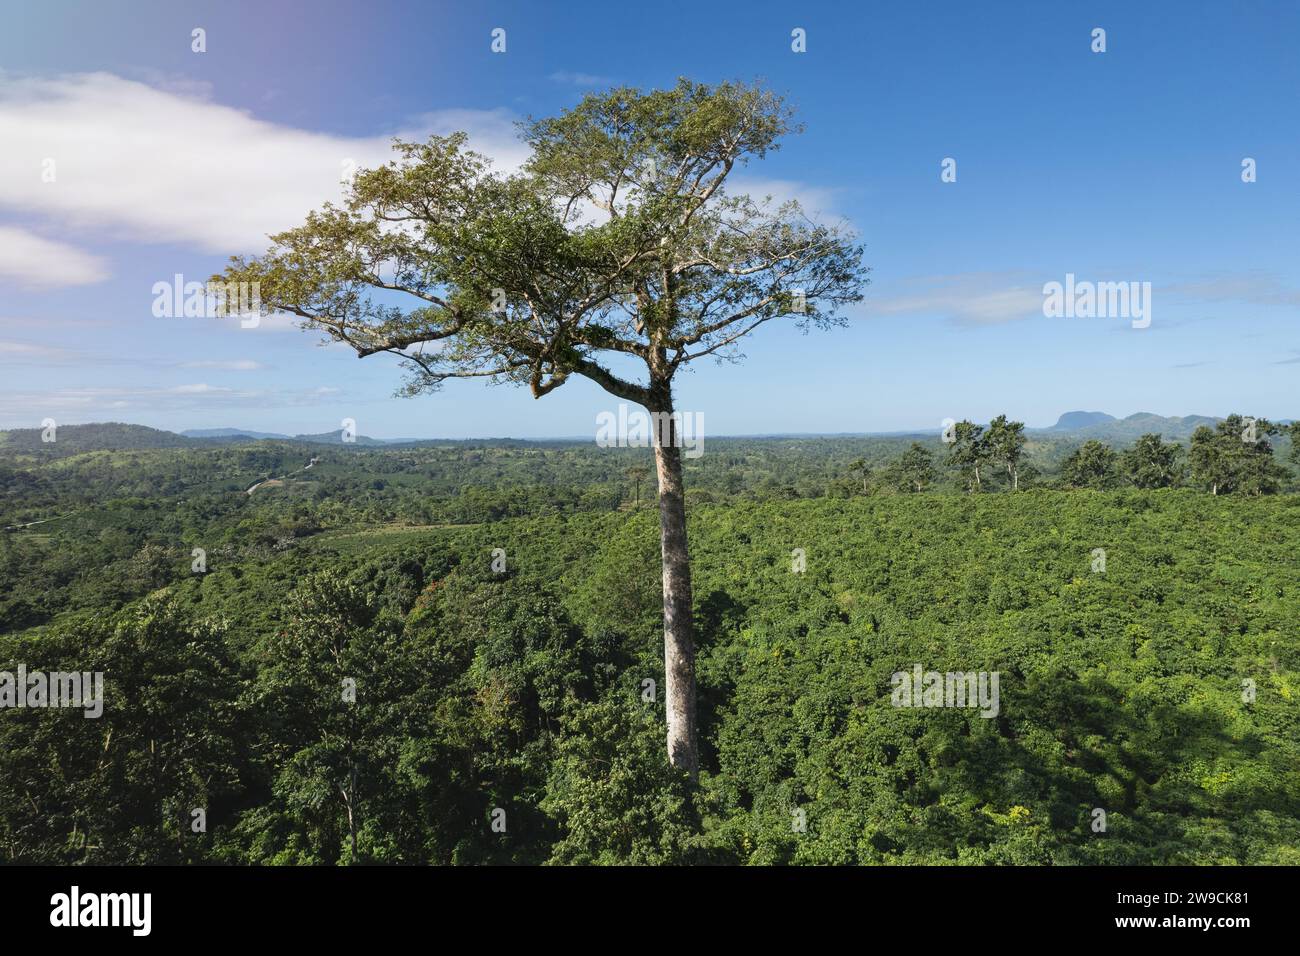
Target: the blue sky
pixel 1115 166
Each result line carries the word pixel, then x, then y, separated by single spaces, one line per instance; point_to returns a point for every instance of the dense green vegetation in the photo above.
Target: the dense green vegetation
pixel 523 690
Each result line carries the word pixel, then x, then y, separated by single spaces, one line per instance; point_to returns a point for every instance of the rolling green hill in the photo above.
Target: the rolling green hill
pixel 72 439
pixel 1080 426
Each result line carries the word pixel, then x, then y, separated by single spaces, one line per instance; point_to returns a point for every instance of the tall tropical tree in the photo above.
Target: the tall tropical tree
pixel 914 470
pixel 637 474
pixel 1207 461
pixel 1006 443
pixel 1151 463
pixel 969 453
pixel 1092 465
pixel 619 239
pixel 1236 456
pixel 861 469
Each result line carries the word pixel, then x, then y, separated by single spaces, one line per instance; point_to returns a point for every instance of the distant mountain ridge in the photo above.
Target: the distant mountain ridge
pixel 120 436
pixel 230 433
pixel 320 438
pixel 98 436
pixel 1104 427
pixel 1072 420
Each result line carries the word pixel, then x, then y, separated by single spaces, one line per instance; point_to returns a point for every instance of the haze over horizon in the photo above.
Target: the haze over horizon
pixel 276 433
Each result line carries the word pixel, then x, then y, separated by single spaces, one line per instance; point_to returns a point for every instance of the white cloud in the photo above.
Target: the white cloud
pixel 15 352
pixel 1257 288
pixel 817 203
pixel 23 353
pixel 234 365
pixel 162 163
pixel 156 165
pixel 30 261
pixel 992 298
pixel 579 79
pixel 91 402
pixel 972 298
pixel 491 132
pixel 199 388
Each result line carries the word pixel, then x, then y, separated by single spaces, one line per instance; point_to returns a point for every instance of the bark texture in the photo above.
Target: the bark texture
pixel 679 629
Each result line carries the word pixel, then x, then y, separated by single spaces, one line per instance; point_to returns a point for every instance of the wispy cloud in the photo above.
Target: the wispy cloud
pixel 130 161
pixel 136 162
pixel 234 365
pixel 1259 288
pixel 26 405
pixel 818 202
pixel 580 79
pixel 971 298
pixel 25 353
pixel 31 261
pixel 15 352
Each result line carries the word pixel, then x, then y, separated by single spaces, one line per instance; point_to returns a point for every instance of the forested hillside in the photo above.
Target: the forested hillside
pixel 495 610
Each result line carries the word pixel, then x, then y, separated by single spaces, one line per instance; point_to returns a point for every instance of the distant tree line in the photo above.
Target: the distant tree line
pixel 1234 457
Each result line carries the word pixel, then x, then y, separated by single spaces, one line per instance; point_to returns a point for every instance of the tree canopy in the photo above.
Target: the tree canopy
pixel 619 236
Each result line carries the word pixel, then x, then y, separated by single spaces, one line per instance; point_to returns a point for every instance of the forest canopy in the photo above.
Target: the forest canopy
pixel 495 608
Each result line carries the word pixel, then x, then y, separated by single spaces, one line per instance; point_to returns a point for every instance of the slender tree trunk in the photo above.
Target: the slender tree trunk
pixel 679 636
pixel 348 796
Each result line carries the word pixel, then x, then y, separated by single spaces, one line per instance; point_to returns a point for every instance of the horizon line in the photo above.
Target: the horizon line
pixel 929 431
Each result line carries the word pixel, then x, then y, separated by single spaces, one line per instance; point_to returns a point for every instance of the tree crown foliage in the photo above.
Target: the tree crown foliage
pixel 617 237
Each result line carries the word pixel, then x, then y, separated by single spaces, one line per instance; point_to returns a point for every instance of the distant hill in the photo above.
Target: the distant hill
pixel 1070 429
pixel 247 434
pixel 1081 426
pixel 231 433
pixel 118 436
pixel 336 438
pixel 99 436
pixel 1073 420
pixel 321 438
pixel 1171 428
